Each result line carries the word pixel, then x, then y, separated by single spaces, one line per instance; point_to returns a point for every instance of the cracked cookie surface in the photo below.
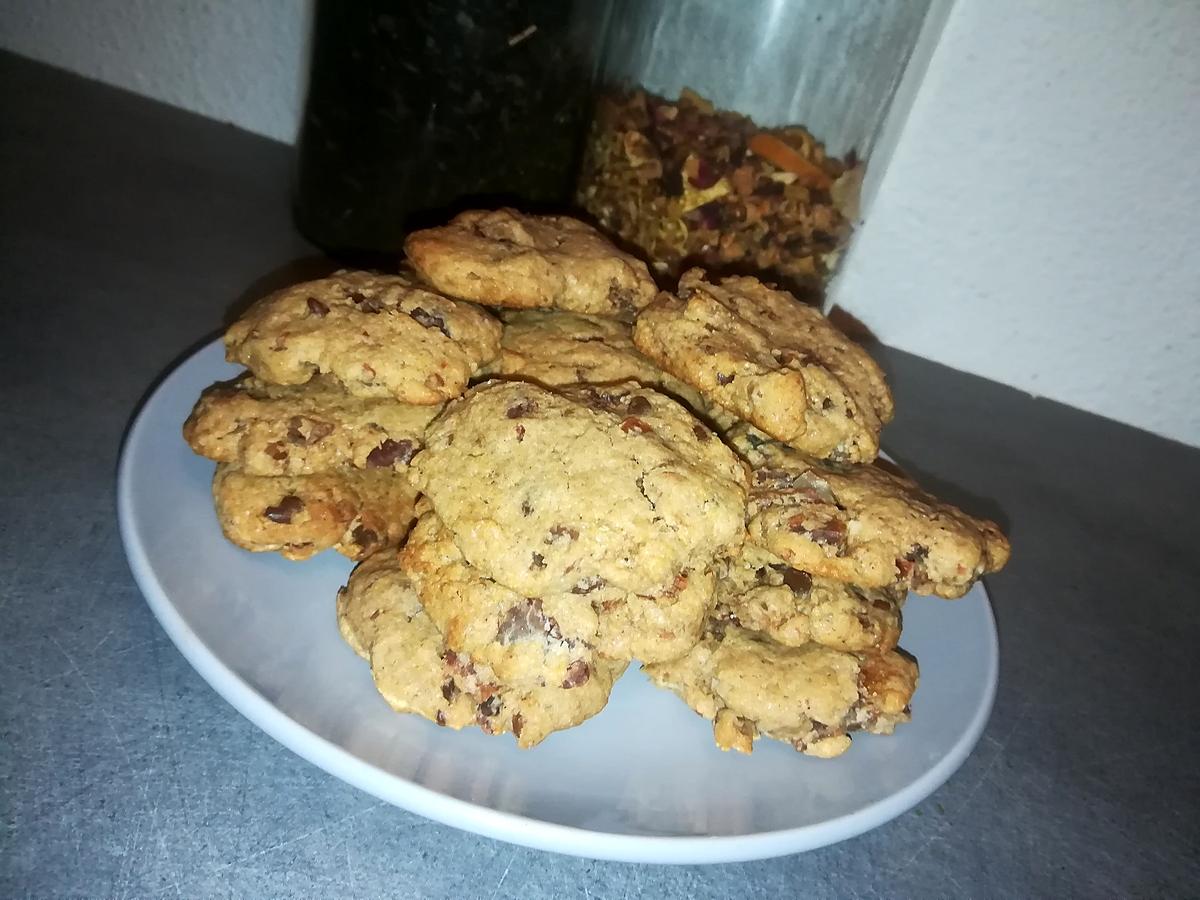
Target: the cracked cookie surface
pixel 507 258
pixel 354 512
pixel 545 491
pixel 381 617
pixel 772 361
pixel 378 335
pixel 811 696
pixel 862 524
pixel 761 592
pixel 551 637
pixel 270 429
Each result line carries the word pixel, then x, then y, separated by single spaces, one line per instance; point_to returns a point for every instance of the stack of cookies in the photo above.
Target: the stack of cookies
pixel 608 474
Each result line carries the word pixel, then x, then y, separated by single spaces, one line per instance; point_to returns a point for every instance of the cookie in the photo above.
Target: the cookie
pixel 553 348
pixel 378 335
pixel 381 617
pixel 553 637
pixel 772 361
pixel 812 696
pixel 507 258
pixel 762 593
pixel 354 512
pixel 269 429
pixel 526 641
pixel 862 524
pixel 545 492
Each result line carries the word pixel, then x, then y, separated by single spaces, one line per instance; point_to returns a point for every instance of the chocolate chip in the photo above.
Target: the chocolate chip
pixel 577 673
pixel 364 536
pixel 440 718
pixel 827 404
pixel 525 620
pixel 517 724
pixel 372 304
pixel 521 408
pixel 520 430
pixel 598 399
pixel 621 297
pixel 918 553
pixel 588 584
pixel 429 320
pixel 561 531
pixel 701 432
pixel 724 379
pixel 831 534
pixel 391 452
pixel 489 707
pixel 538 561
pixel 461 665
pixel 638 405
pixel 277 451
pixel 317 308
pixel 799 582
pixel 449 689
pixel 281 513
pixel 634 425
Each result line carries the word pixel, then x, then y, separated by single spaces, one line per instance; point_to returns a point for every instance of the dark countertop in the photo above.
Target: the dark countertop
pixel 127 230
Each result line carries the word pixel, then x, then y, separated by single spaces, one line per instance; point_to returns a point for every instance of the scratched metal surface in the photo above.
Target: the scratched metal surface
pixel 128 228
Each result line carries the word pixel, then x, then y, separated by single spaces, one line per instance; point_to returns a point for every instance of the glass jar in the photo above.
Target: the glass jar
pixel 419 108
pixel 736 135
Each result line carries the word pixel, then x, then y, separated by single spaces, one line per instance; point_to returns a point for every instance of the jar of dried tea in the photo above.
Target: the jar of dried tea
pixel 419 108
pixel 736 134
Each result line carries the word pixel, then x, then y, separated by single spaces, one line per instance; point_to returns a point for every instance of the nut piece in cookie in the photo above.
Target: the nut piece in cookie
pixel 546 491
pixel 354 512
pixel 381 617
pixel 811 696
pixel 378 335
pixel 507 258
pixel 771 360
pixel 269 429
pixel 862 524
pixel 761 592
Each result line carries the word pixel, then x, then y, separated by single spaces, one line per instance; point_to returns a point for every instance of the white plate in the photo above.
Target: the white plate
pixel 640 782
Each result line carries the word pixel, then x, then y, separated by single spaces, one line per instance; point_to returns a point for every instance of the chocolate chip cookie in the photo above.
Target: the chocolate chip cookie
pixel 378 335
pixel 381 617
pixel 354 512
pixel 547 491
pixel 772 361
pixel 526 641
pixel 762 593
pixel 269 429
pixel 551 638
pixel 862 524
pixel 553 348
pixel 508 258
pixel 811 696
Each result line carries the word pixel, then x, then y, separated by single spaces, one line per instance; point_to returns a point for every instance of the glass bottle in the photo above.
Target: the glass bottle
pixel 735 135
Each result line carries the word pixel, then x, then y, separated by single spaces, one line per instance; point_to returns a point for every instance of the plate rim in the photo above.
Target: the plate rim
pixel 509 827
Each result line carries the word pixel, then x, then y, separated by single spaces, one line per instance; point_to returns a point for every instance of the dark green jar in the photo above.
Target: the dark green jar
pixel 419 109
